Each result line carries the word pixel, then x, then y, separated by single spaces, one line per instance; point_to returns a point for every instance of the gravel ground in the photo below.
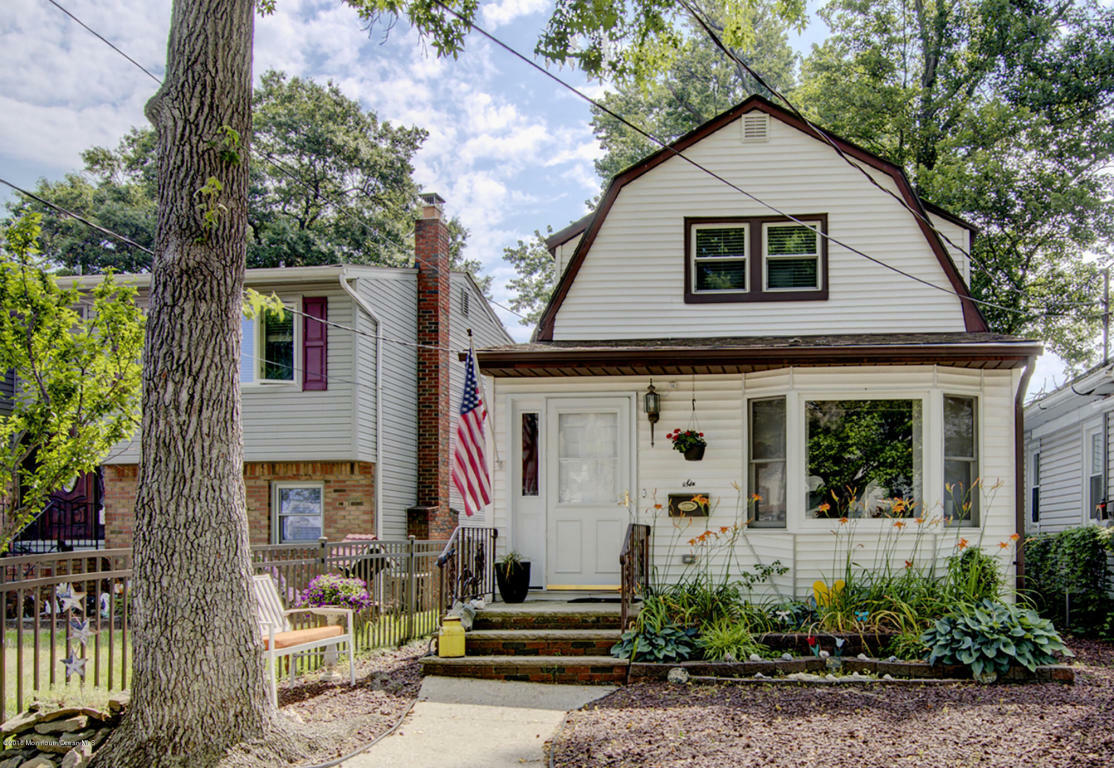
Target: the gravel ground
pixel 386 684
pixel 881 726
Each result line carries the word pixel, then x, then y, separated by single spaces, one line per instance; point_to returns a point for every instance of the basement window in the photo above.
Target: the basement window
pixel 298 512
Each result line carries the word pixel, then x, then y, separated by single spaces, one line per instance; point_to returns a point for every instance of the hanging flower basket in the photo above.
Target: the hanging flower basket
pixel 688 442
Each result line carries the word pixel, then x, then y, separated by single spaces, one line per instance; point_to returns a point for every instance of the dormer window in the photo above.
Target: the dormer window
pixel 756 258
pixel 719 258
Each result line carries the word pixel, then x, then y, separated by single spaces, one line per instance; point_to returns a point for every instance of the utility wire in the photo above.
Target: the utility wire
pixel 381 237
pixel 104 40
pixel 704 169
pixel 701 19
pixel 483 32
pixel 77 217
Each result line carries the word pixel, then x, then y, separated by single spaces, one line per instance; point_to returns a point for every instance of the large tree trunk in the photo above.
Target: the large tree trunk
pixel 198 686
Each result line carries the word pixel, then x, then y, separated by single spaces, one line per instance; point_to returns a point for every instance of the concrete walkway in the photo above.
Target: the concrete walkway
pixel 465 723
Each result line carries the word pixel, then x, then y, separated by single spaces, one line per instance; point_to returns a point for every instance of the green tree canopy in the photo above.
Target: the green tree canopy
pixel 77 375
pixel 535 275
pixel 1000 112
pixel 330 183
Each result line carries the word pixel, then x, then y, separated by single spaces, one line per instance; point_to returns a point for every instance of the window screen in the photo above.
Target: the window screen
pixel 792 256
pixel 720 259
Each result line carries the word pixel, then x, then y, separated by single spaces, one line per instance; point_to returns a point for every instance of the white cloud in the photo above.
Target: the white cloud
pixel 504 12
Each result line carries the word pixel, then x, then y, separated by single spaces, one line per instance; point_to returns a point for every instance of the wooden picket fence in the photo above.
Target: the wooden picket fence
pixel 46 597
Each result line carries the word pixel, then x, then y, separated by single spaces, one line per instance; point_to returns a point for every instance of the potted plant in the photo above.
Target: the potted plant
pixel 689 442
pixel 513 575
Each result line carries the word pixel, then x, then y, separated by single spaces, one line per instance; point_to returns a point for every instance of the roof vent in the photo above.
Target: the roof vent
pixel 756 127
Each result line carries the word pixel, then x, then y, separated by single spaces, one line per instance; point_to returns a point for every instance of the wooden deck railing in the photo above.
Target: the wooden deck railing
pixel 634 567
pixel 467 565
pixel 39 632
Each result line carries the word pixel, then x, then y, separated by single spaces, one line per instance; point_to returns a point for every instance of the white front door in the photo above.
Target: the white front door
pixel 589 471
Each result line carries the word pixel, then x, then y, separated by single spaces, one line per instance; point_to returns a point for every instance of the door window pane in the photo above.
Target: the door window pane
pixel 588 458
pixel 529 454
pixel 863 457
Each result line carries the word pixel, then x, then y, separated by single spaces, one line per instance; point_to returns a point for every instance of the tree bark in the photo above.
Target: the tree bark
pixel 198 686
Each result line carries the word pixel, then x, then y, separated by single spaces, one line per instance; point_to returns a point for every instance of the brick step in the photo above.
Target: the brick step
pixel 582 670
pixel 529 618
pixel 540 642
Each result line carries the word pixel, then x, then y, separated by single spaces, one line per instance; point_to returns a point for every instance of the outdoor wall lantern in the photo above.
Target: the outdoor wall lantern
pixel 652 401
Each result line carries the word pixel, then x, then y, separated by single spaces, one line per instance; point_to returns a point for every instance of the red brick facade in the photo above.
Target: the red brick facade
pixel 349 497
pixel 433 518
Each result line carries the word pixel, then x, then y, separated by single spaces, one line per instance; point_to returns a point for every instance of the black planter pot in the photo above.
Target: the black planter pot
pixel 695 453
pixel 514 581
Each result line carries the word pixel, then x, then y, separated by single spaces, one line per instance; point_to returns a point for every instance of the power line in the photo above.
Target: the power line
pixel 105 40
pixel 381 237
pixel 830 140
pixel 77 217
pixel 713 174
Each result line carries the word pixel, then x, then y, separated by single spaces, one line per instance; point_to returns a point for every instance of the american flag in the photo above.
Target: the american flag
pixel 469 462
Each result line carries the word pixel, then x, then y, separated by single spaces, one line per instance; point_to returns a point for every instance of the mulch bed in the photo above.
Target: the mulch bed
pixel 880 726
pixel 386 684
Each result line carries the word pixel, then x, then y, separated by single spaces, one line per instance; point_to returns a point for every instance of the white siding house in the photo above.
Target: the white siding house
pixel 1068 454
pixel 759 325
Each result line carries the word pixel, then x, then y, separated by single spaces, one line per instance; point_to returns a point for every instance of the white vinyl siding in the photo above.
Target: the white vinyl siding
pixel 643 236
pixel 804 546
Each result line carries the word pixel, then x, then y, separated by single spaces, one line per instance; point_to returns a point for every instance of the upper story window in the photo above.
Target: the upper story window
pixel 756 258
pixel 287 349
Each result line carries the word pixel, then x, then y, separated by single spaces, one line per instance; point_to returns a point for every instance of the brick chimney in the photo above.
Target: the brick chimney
pixel 431 517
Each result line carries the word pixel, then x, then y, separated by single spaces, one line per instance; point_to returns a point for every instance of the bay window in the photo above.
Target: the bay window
pixel 766 462
pixel 864 458
pixel 961 463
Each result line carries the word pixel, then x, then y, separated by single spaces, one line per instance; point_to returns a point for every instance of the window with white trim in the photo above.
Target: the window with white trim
pixel 1035 489
pixel 961 462
pixel 268 349
pixel 766 462
pixel 719 258
pixel 791 256
pixel 298 512
pixel 1095 491
pixel 864 458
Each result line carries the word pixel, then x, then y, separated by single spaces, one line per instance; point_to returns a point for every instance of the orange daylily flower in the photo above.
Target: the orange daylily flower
pixel 755 497
pixel 724 528
pixel 918 520
pixel 692 542
pixel 962 544
pixel 899 524
pixel 843 521
pixel 1015 536
pixel 1003 544
pixel 824 507
pixel 908 563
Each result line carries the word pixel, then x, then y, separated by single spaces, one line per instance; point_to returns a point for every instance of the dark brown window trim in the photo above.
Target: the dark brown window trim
pixel 755 257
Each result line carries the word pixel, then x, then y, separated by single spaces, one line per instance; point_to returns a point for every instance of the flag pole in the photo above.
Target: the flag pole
pixel 488 402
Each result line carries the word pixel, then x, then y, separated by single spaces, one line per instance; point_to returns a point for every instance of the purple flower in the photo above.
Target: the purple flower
pixel 330 589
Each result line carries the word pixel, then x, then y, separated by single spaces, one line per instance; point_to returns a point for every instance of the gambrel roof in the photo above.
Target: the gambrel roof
pixel 590 225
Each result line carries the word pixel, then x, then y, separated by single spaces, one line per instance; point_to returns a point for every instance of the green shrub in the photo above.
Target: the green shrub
pixel 1067 575
pixel 665 644
pixel 908 645
pixel 974 576
pixel 991 636
pixel 729 640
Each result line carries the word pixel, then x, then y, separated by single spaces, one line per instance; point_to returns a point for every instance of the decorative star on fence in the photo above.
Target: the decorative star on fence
pixel 74 666
pixel 68 598
pixel 80 631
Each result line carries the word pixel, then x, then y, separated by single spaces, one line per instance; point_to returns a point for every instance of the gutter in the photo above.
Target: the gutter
pixel 343 279
pixel 1019 466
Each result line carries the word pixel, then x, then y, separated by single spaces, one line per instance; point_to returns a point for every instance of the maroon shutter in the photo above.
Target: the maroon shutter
pixel 315 344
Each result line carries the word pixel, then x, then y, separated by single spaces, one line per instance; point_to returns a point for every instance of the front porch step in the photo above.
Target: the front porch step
pixel 540 642
pixel 578 670
pixel 540 616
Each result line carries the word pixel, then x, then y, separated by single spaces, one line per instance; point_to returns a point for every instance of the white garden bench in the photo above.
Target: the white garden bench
pixel 281 639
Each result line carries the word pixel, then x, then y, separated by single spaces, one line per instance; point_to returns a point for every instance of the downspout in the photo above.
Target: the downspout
pixel 344 278
pixel 1019 467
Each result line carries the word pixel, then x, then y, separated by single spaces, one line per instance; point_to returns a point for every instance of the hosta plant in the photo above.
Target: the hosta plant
pixel 990 636
pixel 667 644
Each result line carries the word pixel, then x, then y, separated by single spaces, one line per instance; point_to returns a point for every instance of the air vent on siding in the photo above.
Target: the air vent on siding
pixel 464 302
pixel 756 127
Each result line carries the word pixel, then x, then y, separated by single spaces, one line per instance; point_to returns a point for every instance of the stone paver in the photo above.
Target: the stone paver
pixel 463 723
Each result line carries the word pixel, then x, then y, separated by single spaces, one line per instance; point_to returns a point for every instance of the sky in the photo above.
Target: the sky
pixel 509 150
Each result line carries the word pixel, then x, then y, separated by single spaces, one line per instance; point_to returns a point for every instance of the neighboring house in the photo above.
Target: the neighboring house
pixel 347 423
pixel 804 361
pixel 1067 454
